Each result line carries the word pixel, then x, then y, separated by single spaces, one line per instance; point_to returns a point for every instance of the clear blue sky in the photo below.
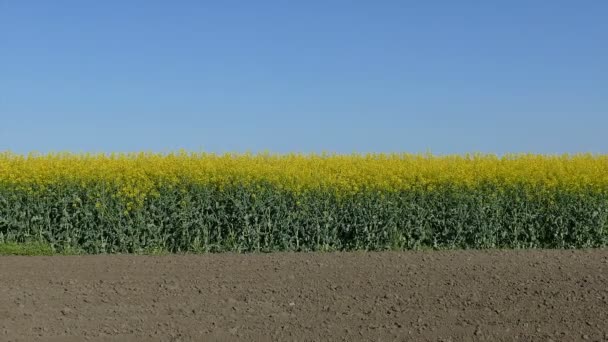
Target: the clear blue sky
pixel 304 76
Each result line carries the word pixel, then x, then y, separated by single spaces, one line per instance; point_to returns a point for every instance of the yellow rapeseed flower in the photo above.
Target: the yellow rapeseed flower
pixel 136 176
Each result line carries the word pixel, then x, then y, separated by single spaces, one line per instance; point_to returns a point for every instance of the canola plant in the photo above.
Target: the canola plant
pixel 200 202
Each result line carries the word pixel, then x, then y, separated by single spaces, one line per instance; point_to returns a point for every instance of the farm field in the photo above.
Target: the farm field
pixel 196 202
pixel 303 171
pixel 377 247
pixel 526 295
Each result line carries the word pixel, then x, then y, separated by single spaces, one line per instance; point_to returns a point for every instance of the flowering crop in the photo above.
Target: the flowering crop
pixel 197 201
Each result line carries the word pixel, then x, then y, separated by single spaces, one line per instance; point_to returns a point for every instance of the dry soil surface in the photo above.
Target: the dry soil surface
pixel 411 296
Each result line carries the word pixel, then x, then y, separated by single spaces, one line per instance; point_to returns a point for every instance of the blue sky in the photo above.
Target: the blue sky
pixel 304 76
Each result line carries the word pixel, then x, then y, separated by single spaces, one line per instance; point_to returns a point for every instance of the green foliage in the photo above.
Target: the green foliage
pixel 33 248
pixel 68 219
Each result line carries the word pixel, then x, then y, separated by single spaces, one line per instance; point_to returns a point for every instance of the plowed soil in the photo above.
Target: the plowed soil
pixel 410 296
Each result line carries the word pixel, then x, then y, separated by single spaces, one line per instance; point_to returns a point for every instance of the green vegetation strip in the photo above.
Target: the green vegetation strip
pixel 264 218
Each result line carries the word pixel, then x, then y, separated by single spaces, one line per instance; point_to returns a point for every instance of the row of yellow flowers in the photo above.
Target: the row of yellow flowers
pixel 140 174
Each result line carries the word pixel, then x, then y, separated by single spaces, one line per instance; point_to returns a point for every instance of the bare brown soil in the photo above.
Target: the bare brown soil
pixel 412 296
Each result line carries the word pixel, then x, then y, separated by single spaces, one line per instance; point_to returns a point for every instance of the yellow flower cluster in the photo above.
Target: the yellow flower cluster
pixel 138 175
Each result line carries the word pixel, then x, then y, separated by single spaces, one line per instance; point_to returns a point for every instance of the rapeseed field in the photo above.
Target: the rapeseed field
pixel 201 202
